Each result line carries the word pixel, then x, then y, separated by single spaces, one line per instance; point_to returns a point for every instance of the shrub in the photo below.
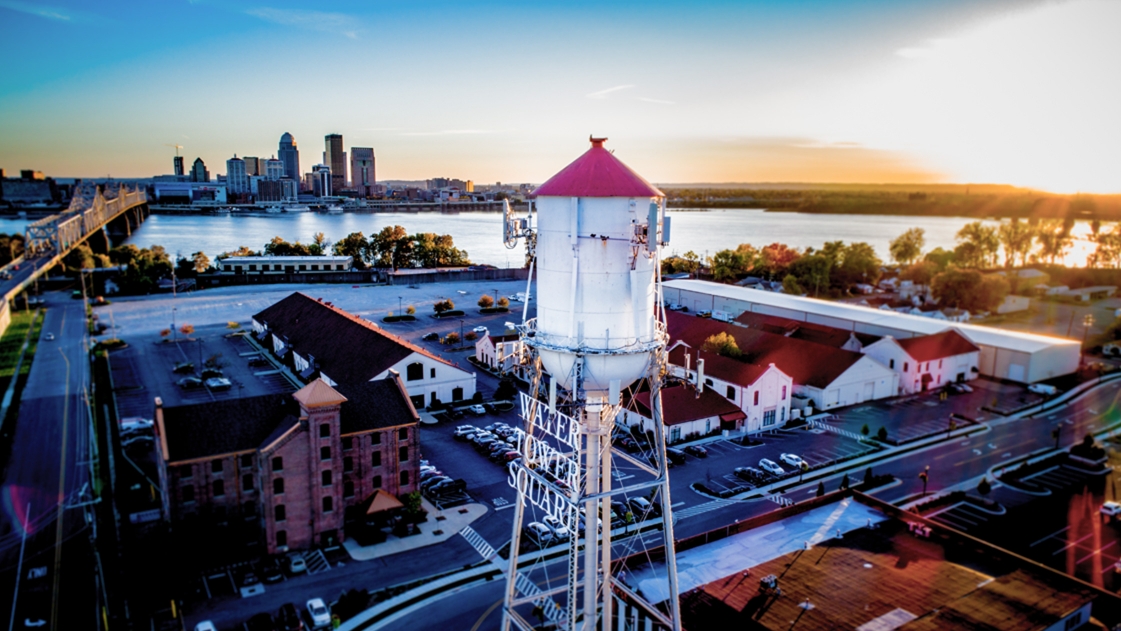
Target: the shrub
pixel 865 430
pixel 442 306
pixel 722 344
pixel 233 325
pixel 451 338
pixel 983 487
pixel 470 336
pixel 820 489
pixel 882 434
pixel 503 303
pixel 485 301
pixel 868 475
pixel 845 482
pixel 410 310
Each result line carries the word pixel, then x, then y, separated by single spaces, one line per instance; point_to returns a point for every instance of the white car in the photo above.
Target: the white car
pixel 48 336
pixel 296 564
pixel 792 460
pixel 1042 388
pixel 318 612
pixel 559 530
pixel 1110 508
pixel 477 409
pixel 539 534
pixel 205 625
pixel 770 467
pixel 481 330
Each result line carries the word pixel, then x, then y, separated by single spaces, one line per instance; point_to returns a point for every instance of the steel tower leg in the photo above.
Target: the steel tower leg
pixel 667 504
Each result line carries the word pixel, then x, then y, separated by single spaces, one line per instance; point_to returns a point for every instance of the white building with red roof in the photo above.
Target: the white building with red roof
pixel 927 362
pixel 501 353
pixel 687 415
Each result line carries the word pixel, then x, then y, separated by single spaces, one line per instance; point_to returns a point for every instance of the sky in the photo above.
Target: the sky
pixel 1016 92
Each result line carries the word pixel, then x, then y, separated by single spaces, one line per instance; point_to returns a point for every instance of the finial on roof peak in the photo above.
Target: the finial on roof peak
pixel 597 142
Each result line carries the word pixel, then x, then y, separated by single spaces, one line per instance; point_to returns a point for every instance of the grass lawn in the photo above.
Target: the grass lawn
pixel 10 345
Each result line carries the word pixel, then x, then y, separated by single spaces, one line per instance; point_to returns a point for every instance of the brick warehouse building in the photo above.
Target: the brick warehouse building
pixel 281 470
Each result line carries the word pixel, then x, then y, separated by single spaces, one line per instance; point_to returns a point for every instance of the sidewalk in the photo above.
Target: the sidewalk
pixel 441 526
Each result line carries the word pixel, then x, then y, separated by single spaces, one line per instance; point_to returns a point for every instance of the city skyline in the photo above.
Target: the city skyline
pixel 871 92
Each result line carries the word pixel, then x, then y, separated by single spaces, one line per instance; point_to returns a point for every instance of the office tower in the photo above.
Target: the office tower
pixel 178 165
pixel 236 181
pixel 199 172
pixel 253 166
pixel 335 157
pixel 362 170
pixel 290 156
pixel 322 179
pixel 273 169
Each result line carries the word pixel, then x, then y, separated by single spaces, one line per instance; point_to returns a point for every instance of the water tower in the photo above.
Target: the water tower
pixel 598 335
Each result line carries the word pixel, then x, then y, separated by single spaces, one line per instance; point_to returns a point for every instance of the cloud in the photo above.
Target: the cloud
pixel 313 20
pixel 602 94
pixel 50 13
pixel 646 99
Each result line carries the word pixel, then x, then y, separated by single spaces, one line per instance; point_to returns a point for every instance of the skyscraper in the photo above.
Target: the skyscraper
pixel 273 170
pixel 236 180
pixel 362 170
pixel 322 180
pixel 290 156
pixel 335 157
pixel 199 172
pixel 178 165
pixel 253 166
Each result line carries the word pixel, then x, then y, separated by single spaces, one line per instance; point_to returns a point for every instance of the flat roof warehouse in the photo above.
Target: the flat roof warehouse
pixel 1011 355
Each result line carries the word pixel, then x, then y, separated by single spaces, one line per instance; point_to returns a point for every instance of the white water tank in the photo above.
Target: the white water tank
pixel 595 271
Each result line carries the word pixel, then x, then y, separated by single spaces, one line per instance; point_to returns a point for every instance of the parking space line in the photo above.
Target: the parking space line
pixel 1057 532
pixel 1073 543
pixel 1096 552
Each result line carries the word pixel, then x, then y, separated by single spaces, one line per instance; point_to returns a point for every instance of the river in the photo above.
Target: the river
pixel 702 231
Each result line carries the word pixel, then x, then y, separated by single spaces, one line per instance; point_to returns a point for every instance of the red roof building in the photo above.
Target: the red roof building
pixel 597 173
pixel 686 415
pixel 928 361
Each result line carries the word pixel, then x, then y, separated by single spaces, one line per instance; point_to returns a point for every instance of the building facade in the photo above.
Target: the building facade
pixel 502 353
pixel 362 174
pixel 321 180
pixel 273 169
pixel 335 157
pixel 199 173
pixel 237 183
pixel 283 264
pixel 289 154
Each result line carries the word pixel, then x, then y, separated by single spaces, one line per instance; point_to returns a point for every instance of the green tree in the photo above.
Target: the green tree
pixel 727 265
pixel 977 246
pixel 820 489
pixel 881 435
pixel 983 487
pixel 443 305
pixel 201 262
pixel 813 272
pixel 722 344
pixel 908 246
pixel 941 258
pixel 859 264
pixel 790 286
pixel 968 289
pixel 279 247
pixel 844 482
pixel 1054 238
pixel 921 273
pixel 1016 238
pixel 355 246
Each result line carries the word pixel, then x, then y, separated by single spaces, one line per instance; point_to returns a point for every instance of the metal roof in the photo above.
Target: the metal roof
pixel 916 325
pixel 597 173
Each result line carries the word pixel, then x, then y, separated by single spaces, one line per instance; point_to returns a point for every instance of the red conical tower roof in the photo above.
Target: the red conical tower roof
pixel 597 173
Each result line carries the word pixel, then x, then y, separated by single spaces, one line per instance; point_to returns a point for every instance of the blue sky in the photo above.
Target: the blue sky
pixel 688 92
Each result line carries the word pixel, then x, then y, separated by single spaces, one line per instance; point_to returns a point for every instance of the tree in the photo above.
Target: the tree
pixel 240 251
pixel 977 245
pixel 485 301
pixel 820 489
pixel 1054 239
pixel 868 478
pixel 201 261
pixel 845 482
pixel 908 246
pixel 859 264
pixel 410 310
pixel 722 344
pixel 983 487
pixel 232 325
pixel 777 258
pixel 1016 237
pixel 451 338
pixel 442 306
pixel 813 272
pixel 187 329
pixel 940 257
pixel 279 247
pixel 470 336
pixel 320 240
pixel 356 247
pixel 920 273
pixel 727 265
pixel 503 303
pixel 968 289
pixel 1108 252
pixel 881 435
pixel 865 430
pixel 790 286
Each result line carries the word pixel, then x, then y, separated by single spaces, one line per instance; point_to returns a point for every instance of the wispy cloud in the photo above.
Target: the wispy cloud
pixel 50 13
pixel 603 94
pixel 646 99
pixel 449 132
pixel 314 20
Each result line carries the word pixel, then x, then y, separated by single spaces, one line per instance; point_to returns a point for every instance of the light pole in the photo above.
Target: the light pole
pixel 924 476
pixel 399 312
pixel 1087 322
pixel 461 331
pixel 173 310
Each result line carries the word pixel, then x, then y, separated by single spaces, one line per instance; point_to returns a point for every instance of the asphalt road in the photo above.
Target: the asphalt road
pixel 48 470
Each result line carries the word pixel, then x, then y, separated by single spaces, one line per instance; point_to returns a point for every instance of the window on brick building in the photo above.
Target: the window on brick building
pixel 280 512
pixel 216 466
pixel 328 504
pixel 247 483
pixel 348 489
pixel 186 472
pixel 348 443
pixel 278 486
pixel 324 430
pixel 414 371
pixel 377 482
pixel 326 477
pixel 281 539
pixel 278 464
pixel 375 438
pixel 404 478
pixel 403 454
pixel 403 433
pixel 348 464
pixel 219 488
pixel 246 461
pixel 188 494
pixel 324 453
pixel 375 460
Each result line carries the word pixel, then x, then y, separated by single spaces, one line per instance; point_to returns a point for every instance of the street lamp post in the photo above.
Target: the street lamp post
pixel 461 331
pixel 924 476
pixel 1087 321
pixel 173 310
pixel 399 312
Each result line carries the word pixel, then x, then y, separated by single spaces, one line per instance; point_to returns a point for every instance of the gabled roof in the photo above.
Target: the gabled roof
pixel 680 404
pixel 373 405
pixel 226 426
pixel 346 347
pixel 318 393
pixel 806 363
pixel 597 173
pixel 808 331
pixel 937 346
pixel 498 339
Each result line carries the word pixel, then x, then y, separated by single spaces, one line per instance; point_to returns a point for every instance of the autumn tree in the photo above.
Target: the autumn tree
pixel 722 344
pixel 968 289
pixel 442 306
pixel 485 301
pixel 776 258
pixel 908 246
pixel 920 273
pixel 356 247
pixel 503 303
pixel 201 262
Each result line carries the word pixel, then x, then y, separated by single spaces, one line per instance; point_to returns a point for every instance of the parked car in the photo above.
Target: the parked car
pixel 136 423
pixel 431 337
pixel 481 330
pixel 183 368
pixel 477 410
pixel 771 467
pixel 959 388
pixel 559 530
pixel 258 361
pixel 429 483
pixel 249 578
pixel 260 622
pixel 749 474
pixel 428 475
pixel 48 337
pixel 792 460
pixel 696 451
pixel 640 506
pixel 448 487
pixel 288 618
pixel 296 564
pixel 1110 508
pixel 464 432
pixel 538 533
pixel 205 625
pixel 219 383
pixel 190 383
pixel 209 373
pixel 675 456
pixel 270 571
pixel 1043 388
pixel 318 612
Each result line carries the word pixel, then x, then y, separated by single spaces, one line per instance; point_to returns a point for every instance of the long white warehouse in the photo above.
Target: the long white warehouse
pixel 1011 355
